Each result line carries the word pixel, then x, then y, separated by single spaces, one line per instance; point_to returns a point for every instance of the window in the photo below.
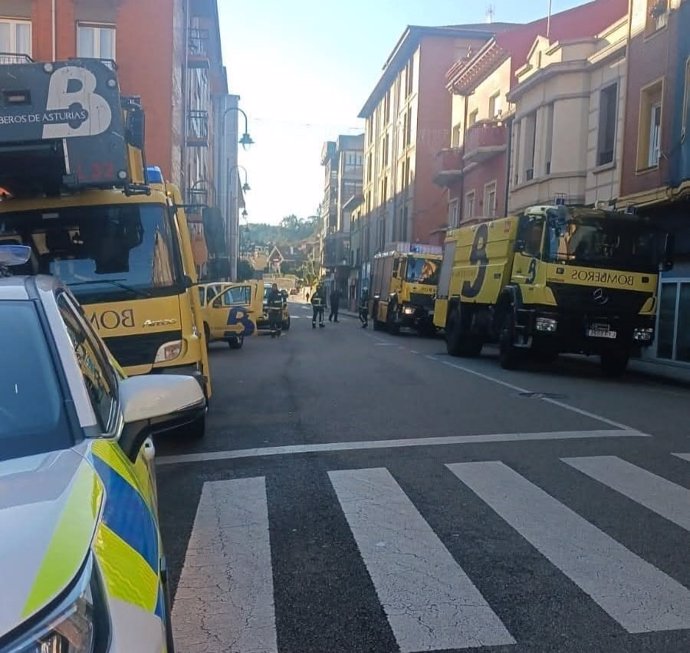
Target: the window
pixel 409 85
pixel 657 15
pixel 473 117
pixel 31 404
pixel 548 145
pixel 238 295
pixel 516 153
pixel 649 134
pixel 469 205
pixel 673 333
pixel 96 41
pixel 490 199
pixel 608 114
pixel 15 36
pixel 456 138
pixel 495 105
pixel 95 368
pixel 530 143
pixel 453 213
pixel 408 128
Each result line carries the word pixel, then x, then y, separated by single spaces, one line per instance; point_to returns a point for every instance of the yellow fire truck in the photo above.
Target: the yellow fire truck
pixel 403 285
pixel 554 279
pixel 78 192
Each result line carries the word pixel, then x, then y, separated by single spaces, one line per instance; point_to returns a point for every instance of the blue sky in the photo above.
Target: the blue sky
pixel 303 70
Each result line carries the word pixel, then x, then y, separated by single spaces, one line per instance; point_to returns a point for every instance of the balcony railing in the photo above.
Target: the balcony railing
pixel 197 128
pixel 336 250
pixel 197 48
pixel 449 166
pixel 14 57
pixel 485 139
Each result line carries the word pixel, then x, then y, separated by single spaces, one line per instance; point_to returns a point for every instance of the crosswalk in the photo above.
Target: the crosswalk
pixel 225 599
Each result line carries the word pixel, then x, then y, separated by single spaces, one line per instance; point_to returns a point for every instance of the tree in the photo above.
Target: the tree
pixel 245 271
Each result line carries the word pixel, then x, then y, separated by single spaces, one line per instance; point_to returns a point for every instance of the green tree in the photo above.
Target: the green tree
pixel 245 271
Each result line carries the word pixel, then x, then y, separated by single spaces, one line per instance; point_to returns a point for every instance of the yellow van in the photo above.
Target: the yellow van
pixel 230 310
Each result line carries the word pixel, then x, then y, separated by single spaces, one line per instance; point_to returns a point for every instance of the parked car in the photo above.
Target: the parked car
pixel 230 311
pixel 81 557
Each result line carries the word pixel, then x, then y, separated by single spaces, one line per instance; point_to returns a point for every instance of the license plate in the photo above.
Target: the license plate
pixel 601 333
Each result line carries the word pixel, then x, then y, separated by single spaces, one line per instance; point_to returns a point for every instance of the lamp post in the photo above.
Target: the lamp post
pixel 245 186
pixel 246 139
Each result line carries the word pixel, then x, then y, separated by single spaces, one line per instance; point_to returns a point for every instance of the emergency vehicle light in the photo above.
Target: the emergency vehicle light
pixel 14 254
pixel 154 175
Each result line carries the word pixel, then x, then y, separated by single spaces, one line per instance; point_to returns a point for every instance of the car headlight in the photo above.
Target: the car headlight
pixel 169 351
pixel 78 624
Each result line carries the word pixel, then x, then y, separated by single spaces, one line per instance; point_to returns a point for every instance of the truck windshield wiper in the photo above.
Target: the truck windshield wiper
pixel 114 282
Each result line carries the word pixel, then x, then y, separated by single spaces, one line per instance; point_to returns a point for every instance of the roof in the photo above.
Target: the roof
pixel 407 44
pixel 585 20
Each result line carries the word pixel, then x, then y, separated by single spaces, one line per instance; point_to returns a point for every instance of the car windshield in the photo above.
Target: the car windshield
pixel 604 243
pixel 32 414
pixel 422 270
pixel 102 252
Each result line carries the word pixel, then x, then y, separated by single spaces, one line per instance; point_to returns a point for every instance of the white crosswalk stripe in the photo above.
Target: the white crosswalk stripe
pixel 636 594
pixel 659 495
pixel 224 600
pixel 225 597
pixel 430 602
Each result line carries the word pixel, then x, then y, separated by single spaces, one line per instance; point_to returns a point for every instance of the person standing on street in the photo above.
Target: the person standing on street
pixel 318 302
pixel 364 309
pixel 275 310
pixel 335 304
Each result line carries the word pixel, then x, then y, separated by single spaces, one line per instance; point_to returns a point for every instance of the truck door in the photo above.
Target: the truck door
pixel 234 310
pixel 529 246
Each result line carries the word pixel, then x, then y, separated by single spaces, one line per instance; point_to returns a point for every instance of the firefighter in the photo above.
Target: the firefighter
pixel 275 310
pixel 318 303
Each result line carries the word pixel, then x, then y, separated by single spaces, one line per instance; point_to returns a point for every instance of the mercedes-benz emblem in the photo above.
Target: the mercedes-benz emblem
pixel 600 297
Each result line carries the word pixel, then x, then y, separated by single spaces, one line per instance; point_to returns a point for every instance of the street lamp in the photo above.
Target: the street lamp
pixel 245 186
pixel 244 213
pixel 246 139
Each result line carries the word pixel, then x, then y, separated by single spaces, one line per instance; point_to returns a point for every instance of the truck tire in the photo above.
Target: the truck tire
pixel 236 342
pixel 207 333
pixel 374 315
pixel 286 324
pixel 197 429
pixel 614 362
pixel 509 356
pixel 391 326
pixel 458 341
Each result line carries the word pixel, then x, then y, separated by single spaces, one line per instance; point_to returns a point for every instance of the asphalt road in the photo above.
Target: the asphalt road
pixel 365 493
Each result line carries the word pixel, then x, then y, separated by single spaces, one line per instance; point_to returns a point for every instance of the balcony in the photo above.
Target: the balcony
pixel 197 128
pixel 449 166
pixel 197 48
pixel 485 139
pixel 336 250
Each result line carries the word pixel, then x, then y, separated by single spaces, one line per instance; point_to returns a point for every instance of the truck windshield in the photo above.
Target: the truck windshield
pixel 604 243
pixel 422 270
pixel 32 417
pixel 103 252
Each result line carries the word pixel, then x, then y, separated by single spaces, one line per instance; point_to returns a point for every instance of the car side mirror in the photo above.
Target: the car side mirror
pixel 154 404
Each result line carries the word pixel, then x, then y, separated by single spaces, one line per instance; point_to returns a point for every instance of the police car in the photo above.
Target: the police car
pixel 81 560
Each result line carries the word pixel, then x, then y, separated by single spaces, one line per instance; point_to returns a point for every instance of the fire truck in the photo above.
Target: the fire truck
pixel 77 190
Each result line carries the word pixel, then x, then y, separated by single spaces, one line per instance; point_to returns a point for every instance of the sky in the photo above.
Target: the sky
pixel 303 70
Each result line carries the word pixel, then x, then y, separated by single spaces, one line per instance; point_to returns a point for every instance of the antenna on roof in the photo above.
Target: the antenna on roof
pixel 548 22
pixel 490 13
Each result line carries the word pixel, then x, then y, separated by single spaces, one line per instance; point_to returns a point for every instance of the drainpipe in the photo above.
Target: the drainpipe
pixel 53 20
pixel 461 203
pixel 509 147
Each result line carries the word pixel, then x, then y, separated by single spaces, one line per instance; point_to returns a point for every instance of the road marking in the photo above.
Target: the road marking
pixel 428 599
pixel 548 400
pixel 395 444
pixel 224 600
pixel 640 597
pixel 667 499
pixel 683 456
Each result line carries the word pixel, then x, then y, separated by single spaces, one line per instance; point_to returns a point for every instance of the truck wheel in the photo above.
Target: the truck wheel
pixel 510 356
pixel 614 363
pixel 286 324
pixel 197 429
pixel 458 341
pixel 391 326
pixel 236 342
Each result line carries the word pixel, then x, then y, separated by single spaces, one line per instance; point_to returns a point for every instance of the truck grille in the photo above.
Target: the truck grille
pixel 139 349
pixel 599 301
pixel 420 299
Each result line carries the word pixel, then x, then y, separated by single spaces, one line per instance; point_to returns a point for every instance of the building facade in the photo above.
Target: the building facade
pixel 176 69
pixel 342 162
pixel 475 168
pixel 407 118
pixel 656 172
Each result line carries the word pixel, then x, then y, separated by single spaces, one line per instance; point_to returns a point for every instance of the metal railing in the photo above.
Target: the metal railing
pixel 197 127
